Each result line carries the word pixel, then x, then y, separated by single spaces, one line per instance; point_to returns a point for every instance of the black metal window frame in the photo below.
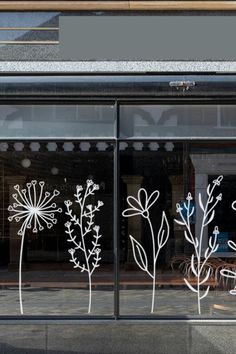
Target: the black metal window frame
pixel 212 92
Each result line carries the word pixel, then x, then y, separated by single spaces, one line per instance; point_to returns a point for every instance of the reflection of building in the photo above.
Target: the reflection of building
pixel 127 125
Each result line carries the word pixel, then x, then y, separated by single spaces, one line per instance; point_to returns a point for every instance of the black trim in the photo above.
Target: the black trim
pixel 107 86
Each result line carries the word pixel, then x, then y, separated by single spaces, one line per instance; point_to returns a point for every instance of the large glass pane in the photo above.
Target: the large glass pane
pixel 178 237
pixel 178 121
pixel 58 121
pixel 56 232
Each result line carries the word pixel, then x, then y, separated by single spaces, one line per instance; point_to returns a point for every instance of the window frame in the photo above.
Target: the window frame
pixel 178 98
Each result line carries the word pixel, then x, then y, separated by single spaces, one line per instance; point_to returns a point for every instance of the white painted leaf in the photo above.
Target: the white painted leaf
pixel 179 222
pixel 205 294
pixel 164 231
pixel 190 286
pixel 200 202
pixel 215 249
pixel 191 213
pixel 210 242
pixel 139 254
pixel 232 245
pixel 206 277
pixel 206 252
pixel 193 266
pixel 187 237
pixel 208 189
pixel 210 218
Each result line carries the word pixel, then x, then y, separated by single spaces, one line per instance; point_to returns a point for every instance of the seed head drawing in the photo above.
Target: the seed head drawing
pixel 33 208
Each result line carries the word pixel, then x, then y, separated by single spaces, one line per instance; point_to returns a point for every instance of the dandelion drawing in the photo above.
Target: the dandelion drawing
pixel 140 206
pixel 228 273
pixel 33 208
pixel 85 250
pixel 199 259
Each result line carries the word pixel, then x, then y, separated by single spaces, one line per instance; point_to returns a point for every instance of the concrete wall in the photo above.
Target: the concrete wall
pixel 120 337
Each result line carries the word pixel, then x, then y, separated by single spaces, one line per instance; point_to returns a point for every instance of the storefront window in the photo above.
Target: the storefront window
pixel 178 228
pixel 54 198
pixel 73 190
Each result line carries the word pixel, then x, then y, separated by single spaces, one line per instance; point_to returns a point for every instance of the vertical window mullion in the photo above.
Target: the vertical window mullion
pixel 116 217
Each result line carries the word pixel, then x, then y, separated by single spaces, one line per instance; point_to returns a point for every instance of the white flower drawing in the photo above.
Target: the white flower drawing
pixel 85 251
pixel 199 259
pixel 140 206
pixel 33 208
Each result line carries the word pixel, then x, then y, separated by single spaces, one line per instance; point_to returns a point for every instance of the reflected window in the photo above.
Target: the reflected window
pixel 177 121
pixel 57 121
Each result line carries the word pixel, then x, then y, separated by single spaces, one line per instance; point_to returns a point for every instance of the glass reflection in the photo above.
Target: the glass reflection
pixel 50 283
pixel 177 121
pixel 57 121
pixel 193 227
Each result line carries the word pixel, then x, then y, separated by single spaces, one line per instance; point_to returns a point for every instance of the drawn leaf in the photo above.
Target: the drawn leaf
pixel 179 222
pixel 232 245
pixel 191 213
pixel 193 266
pixel 210 200
pixel 215 249
pixel 208 189
pixel 206 252
pixel 206 277
pixel 187 237
pixel 164 231
pixel 206 293
pixel 139 254
pixel 200 202
pixel 210 242
pixel 190 286
pixel 210 218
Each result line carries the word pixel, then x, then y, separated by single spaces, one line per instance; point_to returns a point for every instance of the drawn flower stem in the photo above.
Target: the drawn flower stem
pixel 154 265
pixel 84 247
pixel 197 264
pixel 139 207
pixel 20 271
pixel 85 223
pixel 34 210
